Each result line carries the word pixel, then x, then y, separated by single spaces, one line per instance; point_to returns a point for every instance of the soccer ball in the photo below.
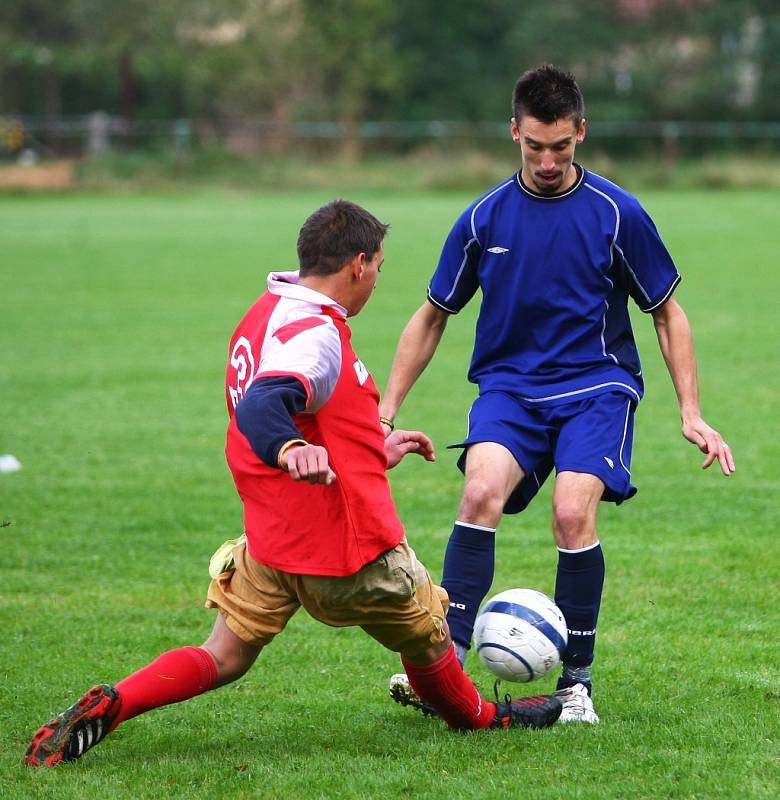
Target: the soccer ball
pixel 520 635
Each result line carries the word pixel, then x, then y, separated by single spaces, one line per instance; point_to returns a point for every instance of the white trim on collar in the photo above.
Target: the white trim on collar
pixel 285 284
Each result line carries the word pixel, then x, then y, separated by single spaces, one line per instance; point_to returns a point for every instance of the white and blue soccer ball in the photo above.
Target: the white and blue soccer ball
pixel 520 635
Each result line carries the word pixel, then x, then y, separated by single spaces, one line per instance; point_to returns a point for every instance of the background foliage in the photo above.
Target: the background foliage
pixel 408 59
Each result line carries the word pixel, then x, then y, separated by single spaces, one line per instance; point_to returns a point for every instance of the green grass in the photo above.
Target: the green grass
pixel 440 166
pixel 116 313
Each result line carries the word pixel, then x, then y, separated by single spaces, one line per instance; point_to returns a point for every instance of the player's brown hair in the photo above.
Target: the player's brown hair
pixel 548 93
pixel 336 233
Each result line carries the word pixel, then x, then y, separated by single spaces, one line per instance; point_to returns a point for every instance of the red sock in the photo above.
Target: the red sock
pixel 172 677
pixel 450 691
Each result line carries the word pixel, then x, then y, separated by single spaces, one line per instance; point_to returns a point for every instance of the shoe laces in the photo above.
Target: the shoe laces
pixel 507 697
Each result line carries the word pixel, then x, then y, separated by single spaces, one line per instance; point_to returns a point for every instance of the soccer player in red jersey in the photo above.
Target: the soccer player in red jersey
pixel 308 456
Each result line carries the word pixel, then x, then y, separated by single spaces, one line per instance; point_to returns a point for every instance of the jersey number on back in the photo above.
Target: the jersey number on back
pixel 243 362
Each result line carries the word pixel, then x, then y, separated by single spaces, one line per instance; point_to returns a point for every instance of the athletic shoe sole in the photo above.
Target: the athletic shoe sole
pixel 70 734
pixel 403 694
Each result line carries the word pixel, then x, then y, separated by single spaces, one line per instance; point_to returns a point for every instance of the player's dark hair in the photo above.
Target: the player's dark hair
pixel 548 93
pixel 336 233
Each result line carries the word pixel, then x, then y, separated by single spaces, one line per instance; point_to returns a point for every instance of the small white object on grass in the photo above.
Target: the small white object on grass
pixel 9 463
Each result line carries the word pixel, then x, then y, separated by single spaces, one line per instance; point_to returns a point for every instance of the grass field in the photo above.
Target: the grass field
pixel 116 312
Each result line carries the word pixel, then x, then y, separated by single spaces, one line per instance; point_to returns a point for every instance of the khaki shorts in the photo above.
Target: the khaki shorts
pixel 392 599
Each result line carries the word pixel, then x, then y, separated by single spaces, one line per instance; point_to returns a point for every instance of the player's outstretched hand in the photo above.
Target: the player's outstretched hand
pixel 309 462
pixel 709 441
pixel 401 443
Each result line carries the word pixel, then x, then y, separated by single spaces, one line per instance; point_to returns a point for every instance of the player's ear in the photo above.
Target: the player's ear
pixel 358 266
pixel 582 131
pixel 514 130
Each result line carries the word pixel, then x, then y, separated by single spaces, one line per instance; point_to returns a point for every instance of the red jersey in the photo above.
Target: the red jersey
pixel 295 526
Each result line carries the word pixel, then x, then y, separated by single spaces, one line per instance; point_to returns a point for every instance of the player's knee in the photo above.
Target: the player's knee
pixel 426 654
pixel 573 525
pixel 482 502
pixel 231 664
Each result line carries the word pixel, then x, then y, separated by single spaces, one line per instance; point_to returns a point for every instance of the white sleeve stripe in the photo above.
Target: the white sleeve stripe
pixel 665 297
pixel 435 302
pixel 462 266
pixel 615 237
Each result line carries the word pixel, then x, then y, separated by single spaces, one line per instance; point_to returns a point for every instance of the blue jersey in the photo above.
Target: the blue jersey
pixel 555 274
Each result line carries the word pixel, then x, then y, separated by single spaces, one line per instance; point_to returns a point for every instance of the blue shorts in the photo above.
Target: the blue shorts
pixel 592 435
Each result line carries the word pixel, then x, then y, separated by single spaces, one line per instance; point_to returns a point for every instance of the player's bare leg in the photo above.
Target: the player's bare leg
pixel 491 475
pixel 578 586
pixel 232 655
pixel 173 677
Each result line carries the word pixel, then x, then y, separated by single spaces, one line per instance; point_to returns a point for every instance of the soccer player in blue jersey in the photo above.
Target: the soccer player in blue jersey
pixel 556 251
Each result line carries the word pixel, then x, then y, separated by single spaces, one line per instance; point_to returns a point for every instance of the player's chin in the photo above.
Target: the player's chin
pixel 551 186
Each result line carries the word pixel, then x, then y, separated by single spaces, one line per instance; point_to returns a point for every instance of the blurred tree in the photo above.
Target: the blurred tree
pixel 458 59
pixel 348 61
pixel 124 38
pixel 36 38
pixel 352 60
pixel 251 62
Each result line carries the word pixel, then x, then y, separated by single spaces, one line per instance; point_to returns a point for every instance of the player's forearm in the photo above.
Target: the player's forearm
pixel 265 414
pixel 675 339
pixel 416 347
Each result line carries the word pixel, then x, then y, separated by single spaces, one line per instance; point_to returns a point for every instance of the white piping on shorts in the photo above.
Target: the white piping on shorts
pixel 622 444
pixel 581 391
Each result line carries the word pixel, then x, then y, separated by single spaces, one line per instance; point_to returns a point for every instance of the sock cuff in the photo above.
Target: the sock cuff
pixel 581 549
pixel 472 526
pixel 206 665
pixel 431 669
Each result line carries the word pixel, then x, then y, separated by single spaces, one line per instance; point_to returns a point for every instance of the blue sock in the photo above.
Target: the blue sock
pixel 469 564
pixel 578 587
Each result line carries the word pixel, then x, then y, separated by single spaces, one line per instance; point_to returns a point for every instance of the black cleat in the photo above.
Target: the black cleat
pixel 70 734
pixel 537 711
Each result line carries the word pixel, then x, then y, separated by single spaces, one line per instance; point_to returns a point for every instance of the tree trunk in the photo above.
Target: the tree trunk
pixel 351 148
pixel 53 105
pixel 127 92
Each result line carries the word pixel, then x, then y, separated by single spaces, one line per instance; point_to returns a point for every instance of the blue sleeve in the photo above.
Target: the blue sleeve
pixel 264 415
pixel 455 280
pixel 648 270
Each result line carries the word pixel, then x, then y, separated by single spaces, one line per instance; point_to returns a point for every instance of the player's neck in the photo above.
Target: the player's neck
pixel 332 286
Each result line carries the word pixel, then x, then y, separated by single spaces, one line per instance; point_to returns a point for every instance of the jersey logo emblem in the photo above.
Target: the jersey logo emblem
pixel 361 372
pixel 610 462
pixel 498 250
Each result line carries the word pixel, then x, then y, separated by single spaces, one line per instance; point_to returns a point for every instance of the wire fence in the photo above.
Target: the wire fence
pixel 98 133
